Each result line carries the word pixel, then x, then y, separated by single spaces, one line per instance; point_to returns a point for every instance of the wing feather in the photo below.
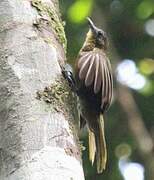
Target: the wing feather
pixel 94 68
pixel 106 90
pixel 98 78
pixel 107 94
pixel 84 68
pixel 90 74
pixel 103 80
pixel 109 87
pixel 82 59
pixel 111 82
pixel 102 74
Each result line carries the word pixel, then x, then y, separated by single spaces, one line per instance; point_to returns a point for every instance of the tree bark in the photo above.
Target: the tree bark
pixel 37 134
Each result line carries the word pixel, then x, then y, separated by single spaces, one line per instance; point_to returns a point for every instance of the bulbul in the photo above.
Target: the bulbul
pixel 93 84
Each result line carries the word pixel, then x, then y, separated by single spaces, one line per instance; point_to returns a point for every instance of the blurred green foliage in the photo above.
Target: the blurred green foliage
pixel 125 22
pixel 78 11
pixel 145 9
pixel 146 66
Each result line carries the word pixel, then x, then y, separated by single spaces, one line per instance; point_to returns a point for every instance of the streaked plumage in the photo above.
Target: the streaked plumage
pixel 94 70
pixel 95 89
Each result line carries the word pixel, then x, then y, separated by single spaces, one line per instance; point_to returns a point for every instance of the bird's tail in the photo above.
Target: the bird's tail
pixel 97 145
pixel 92 146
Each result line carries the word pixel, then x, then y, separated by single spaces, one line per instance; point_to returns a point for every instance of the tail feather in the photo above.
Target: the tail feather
pixel 97 145
pixel 92 146
pixel 101 155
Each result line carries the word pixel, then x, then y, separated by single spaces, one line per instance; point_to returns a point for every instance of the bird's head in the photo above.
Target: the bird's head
pixel 98 35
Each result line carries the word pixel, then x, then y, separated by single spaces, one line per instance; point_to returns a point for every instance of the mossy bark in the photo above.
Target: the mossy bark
pixel 37 129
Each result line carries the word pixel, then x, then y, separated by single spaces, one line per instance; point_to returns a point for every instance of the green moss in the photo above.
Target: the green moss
pixel 59 98
pixel 53 18
pixel 58 95
pixel 48 40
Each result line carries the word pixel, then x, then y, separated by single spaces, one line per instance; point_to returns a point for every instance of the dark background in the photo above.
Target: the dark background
pixel 130 27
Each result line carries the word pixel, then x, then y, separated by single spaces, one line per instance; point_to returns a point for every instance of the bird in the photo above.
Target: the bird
pixel 92 81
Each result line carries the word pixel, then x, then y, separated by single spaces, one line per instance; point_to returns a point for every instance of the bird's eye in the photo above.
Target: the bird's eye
pixel 99 34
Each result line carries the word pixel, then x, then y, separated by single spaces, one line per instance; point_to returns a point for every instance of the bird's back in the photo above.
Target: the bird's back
pixel 94 79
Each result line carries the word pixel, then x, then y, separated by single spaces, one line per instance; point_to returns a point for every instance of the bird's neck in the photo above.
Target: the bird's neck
pixel 89 43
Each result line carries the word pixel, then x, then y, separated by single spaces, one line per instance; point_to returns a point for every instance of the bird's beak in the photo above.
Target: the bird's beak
pixel 93 28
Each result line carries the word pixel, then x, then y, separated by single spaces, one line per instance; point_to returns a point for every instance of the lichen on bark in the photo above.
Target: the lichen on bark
pixel 60 97
pixel 52 17
pixel 56 94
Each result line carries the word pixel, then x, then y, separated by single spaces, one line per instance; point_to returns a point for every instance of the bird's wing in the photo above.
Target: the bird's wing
pixel 94 69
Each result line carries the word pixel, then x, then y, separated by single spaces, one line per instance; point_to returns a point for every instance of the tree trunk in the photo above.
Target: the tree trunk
pixel 37 134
